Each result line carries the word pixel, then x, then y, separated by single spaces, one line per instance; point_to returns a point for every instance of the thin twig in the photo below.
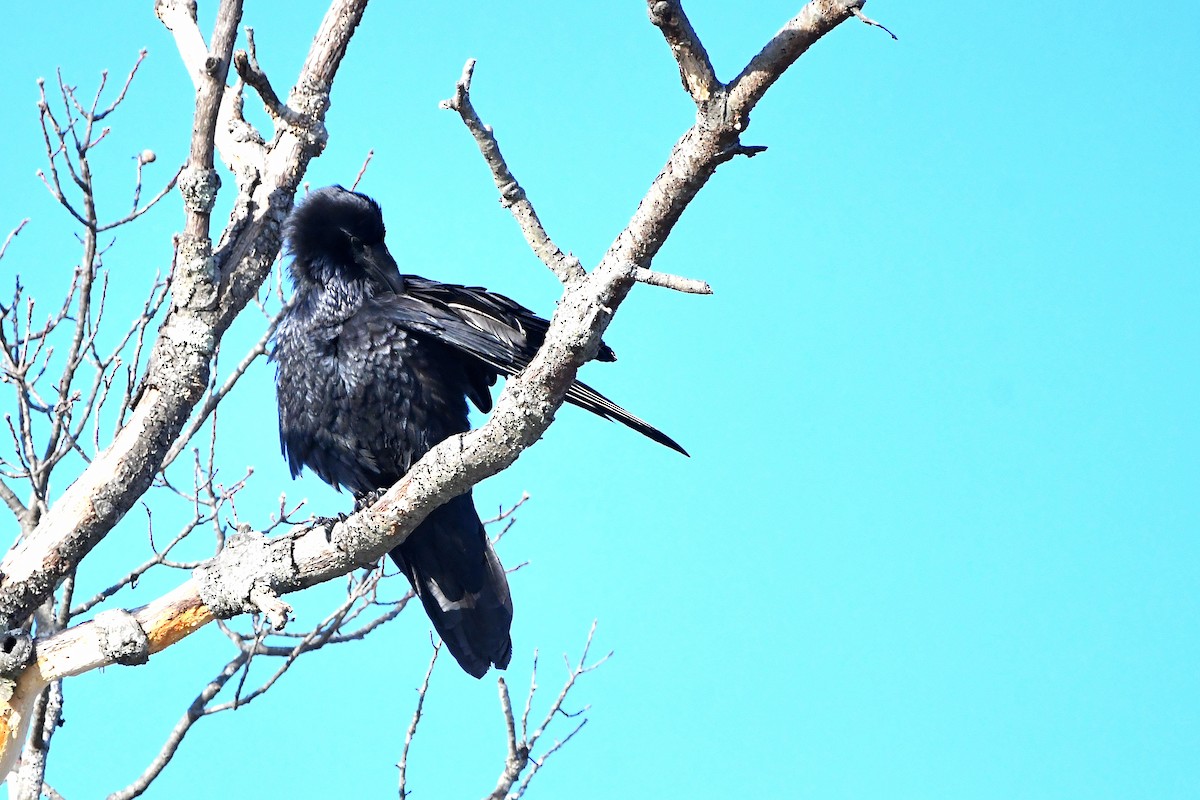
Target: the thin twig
pixel 412 726
pixel 195 711
pixel 137 212
pixel 533 687
pixel 580 669
pixel 539 763
pixel 363 169
pixel 508 519
pixel 12 235
pixel 856 11
pixel 315 639
pixel 215 397
pixel 98 116
pixel 137 572
pixel 521 747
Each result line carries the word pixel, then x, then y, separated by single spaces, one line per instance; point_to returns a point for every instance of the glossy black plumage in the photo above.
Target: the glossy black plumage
pixel 374 369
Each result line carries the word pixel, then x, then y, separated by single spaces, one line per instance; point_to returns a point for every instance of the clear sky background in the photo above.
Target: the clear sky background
pixel 938 536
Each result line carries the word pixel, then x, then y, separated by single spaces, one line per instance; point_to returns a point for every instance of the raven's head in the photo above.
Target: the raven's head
pixel 338 234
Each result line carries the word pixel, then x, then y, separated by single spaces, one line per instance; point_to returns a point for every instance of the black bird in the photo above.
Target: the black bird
pixel 374 369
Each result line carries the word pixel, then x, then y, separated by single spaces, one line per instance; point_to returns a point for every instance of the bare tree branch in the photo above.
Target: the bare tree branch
pixel 521 744
pixel 857 11
pixel 98 116
pixel 195 711
pixel 695 69
pixel 132 576
pixel 363 169
pixel 566 268
pixel 814 21
pixel 137 212
pixel 668 281
pixel 412 726
pixel 246 63
pixel 12 235
pixel 309 555
pixel 508 518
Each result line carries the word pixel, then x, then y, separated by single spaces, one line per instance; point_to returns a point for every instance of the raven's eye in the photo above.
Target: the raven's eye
pixel 356 245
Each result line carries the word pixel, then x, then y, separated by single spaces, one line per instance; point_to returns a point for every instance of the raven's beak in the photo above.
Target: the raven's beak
pixel 379 262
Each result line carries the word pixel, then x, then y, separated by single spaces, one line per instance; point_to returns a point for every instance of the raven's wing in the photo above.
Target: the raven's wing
pixel 513 325
pixel 499 332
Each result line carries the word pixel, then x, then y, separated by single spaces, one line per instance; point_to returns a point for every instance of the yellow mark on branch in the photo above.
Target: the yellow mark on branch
pixel 170 630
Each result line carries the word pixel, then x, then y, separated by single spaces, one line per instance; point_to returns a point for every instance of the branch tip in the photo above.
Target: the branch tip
pixel 675 282
pixel 271 605
pixel 738 149
pixel 362 170
pixel 857 11
pixel 248 69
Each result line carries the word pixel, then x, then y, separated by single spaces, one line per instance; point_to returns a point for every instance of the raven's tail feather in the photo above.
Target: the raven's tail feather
pixel 462 585
pixel 587 398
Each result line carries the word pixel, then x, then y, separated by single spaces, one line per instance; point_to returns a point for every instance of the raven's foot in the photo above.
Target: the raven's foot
pixel 367 499
pixel 328 523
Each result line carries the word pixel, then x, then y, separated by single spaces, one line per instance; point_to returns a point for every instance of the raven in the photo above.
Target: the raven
pixel 374 368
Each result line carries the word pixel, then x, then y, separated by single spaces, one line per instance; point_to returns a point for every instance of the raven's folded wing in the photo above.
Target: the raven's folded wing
pixel 499 332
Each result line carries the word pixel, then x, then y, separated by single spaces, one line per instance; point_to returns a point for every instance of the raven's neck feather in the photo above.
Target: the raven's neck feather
pixel 330 297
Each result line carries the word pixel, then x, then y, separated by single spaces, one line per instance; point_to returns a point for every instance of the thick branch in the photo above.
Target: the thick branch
pixel 816 19
pixel 695 69
pixel 199 182
pixel 89 646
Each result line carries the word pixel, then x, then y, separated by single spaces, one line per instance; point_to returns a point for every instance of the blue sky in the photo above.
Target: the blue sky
pixel 938 536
